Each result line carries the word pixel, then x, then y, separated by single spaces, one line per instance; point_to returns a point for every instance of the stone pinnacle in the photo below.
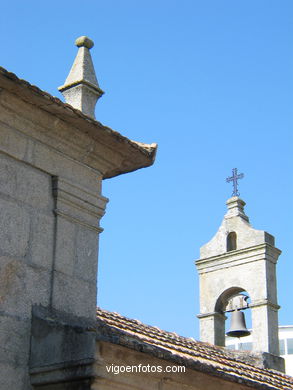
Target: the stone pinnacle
pixel 81 88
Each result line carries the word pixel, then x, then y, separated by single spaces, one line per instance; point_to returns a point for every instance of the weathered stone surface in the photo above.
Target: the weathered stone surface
pixel 62 351
pixel 74 295
pixel 86 255
pixel 14 228
pixel 11 142
pixel 16 377
pixel 42 239
pixel 68 169
pixel 65 246
pixel 21 285
pixel 14 352
pixel 24 183
pixel 14 341
pixel 81 88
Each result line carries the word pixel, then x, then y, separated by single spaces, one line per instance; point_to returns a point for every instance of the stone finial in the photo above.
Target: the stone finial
pixel 84 41
pixel 81 88
pixel 236 208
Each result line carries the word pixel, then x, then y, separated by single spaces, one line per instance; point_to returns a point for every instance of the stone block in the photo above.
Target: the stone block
pixel 60 165
pixel 86 254
pixel 21 285
pixel 65 246
pixel 14 378
pixel 74 295
pixel 25 183
pixel 14 229
pixel 58 338
pixel 14 340
pixel 42 240
pixel 274 362
pixel 12 142
pixel 62 351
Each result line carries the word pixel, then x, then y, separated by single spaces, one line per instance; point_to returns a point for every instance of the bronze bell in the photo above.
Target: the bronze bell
pixel 238 325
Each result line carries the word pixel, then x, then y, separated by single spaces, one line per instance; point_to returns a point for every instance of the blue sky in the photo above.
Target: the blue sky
pixel 209 81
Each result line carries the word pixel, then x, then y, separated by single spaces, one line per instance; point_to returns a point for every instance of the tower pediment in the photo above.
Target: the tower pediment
pixel 235 232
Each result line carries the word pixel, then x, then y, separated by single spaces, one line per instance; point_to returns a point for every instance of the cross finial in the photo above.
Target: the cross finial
pixel 234 178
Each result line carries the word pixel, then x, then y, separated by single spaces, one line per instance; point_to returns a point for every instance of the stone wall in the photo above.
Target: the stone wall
pixel 50 207
pixel 52 162
pixel 26 250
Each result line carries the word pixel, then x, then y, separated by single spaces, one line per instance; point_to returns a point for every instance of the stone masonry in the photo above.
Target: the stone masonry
pixel 52 162
pixel 249 265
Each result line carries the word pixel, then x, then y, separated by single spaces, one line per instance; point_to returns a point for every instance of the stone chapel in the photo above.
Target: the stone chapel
pixel 53 159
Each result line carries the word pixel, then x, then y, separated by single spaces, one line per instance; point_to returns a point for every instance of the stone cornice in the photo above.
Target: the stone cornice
pixel 120 154
pixel 233 258
pixel 264 302
pixel 213 314
pixel 78 205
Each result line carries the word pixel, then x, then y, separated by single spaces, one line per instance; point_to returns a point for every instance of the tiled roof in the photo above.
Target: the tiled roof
pixel 234 366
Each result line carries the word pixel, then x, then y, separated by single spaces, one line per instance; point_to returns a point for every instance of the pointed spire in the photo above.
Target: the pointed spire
pixel 81 88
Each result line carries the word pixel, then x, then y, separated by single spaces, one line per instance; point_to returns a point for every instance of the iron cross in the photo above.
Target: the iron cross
pixel 235 177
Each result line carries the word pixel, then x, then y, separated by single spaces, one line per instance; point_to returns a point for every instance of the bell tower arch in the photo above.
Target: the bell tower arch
pixel 239 259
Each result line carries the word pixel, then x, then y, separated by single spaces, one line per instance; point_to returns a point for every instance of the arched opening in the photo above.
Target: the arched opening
pixel 224 298
pixel 231 241
pixel 233 299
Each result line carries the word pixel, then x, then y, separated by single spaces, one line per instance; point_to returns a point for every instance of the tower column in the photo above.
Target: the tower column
pixel 212 328
pixel 265 327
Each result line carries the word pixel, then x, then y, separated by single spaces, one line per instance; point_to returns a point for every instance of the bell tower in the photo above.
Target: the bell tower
pixel 239 259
